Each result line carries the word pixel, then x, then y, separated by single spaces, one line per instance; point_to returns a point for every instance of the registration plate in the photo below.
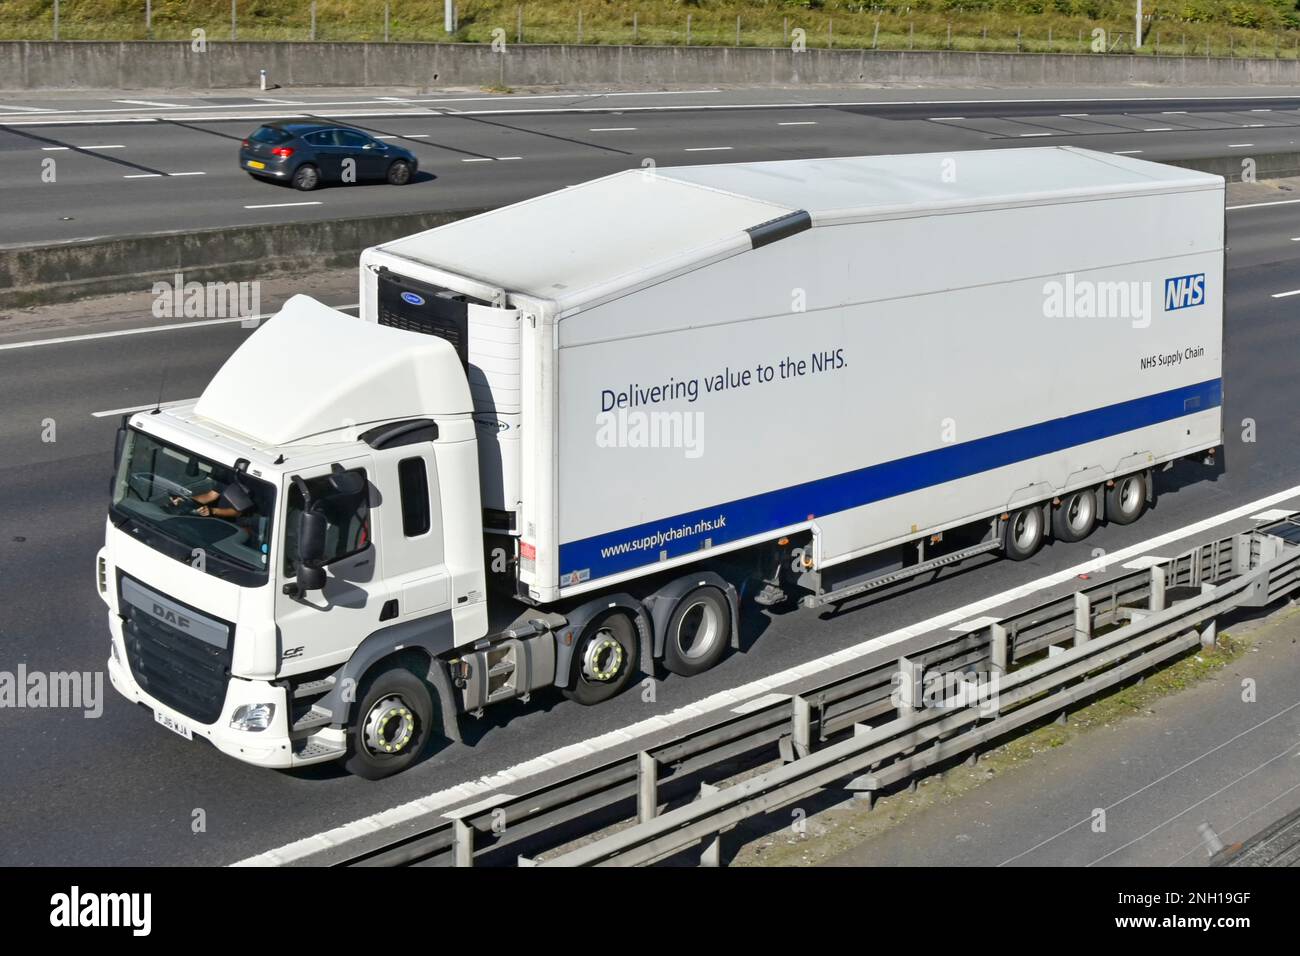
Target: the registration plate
pixel 173 725
pixel 254 164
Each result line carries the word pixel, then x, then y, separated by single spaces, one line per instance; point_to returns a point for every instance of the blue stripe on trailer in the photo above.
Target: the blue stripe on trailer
pixel 628 548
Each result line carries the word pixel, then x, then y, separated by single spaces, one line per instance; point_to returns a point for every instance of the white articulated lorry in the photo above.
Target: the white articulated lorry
pixel 567 438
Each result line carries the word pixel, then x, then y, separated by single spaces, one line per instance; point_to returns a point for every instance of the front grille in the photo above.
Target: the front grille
pixel 172 666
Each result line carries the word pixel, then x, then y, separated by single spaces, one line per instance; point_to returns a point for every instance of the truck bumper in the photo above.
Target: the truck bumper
pixel 271 747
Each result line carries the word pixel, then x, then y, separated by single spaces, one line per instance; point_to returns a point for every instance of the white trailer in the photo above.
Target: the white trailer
pixel 570 434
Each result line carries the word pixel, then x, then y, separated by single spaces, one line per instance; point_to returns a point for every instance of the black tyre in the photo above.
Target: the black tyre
pixel 392 723
pixel 604 658
pixel 399 173
pixel 1024 533
pixel 306 177
pixel 699 631
pixel 1126 499
pixel 1076 516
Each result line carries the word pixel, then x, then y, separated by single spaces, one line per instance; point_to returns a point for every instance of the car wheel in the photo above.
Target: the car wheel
pixel 699 632
pixel 1075 517
pixel 1126 499
pixel 605 658
pixel 392 723
pixel 399 173
pixel 1024 533
pixel 306 177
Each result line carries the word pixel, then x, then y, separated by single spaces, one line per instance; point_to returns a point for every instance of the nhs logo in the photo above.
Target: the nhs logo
pixel 1182 292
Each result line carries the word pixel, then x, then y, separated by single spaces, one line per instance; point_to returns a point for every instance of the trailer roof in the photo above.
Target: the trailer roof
pixel 635 226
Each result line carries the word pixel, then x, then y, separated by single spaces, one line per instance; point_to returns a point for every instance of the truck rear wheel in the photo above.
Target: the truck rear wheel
pixel 698 632
pixel 1126 499
pixel 605 657
pixel 391 724
pixel 1024 533
pixel 1075 517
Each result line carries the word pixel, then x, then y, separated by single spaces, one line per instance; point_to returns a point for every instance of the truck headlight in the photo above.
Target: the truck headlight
pixel 253 717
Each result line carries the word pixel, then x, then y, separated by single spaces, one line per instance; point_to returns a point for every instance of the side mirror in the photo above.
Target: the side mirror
pixel 310 578
pixel 311 539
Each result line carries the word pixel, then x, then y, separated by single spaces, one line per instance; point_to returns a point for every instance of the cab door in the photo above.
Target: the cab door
pixel 419 585
pixel 321 628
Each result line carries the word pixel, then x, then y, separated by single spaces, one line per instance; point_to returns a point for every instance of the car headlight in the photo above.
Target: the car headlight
pixel 253 717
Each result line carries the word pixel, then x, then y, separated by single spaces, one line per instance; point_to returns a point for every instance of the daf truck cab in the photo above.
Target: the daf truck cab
pixel 243 545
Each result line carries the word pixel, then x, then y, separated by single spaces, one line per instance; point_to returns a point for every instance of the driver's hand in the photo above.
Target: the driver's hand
pixel 203 511
pixel 176 502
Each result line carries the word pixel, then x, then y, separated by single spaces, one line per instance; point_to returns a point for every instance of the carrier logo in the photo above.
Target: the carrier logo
pixel 1182 292
pixel 412 299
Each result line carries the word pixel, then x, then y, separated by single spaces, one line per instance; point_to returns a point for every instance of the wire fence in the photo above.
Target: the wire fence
pixel 607 24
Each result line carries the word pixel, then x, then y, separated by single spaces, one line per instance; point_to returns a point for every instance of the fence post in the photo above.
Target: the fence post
pixel 579 27
pixel 519 23
pixel 737 31
pixel 462 843
pixel 148 19
pixel 313 21
pixel 1049 39
pixel 386 11
pixel 688 29
pixel 1082 619
pixel 998 647
pixel 949 36
pixel 1157 600
pixel 234 21
pixel 634 26
pixel 647 790
pixel 875 37
pixel 911 35
pixel 56 19
pixel 830 34
pixel 785 31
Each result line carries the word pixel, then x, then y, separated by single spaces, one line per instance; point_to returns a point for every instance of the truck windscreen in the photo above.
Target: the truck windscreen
pixel 195 510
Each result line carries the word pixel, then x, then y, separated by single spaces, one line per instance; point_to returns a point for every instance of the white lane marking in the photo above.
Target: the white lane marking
pixel 1295 238
pixel 1273 514
pixel 281 205
pixel 436 802
pixel 1127 152
pixel 758 703
pixel 707 149
pixel 416 136
pixel 504 159
pixel 141 408
pixel 165 106
pixel 941 119
pixel 1283 295
pixel 89 336
pixel 26 109
pixel 60 149
pixel 1074 115
pixel 386 137
pixel 144 176
pixel 1239 145
pixel 1174 113
pixel 1159 129
pixel 1253 126
pixel 611 129
pixel 267 99
pixel 975 624
pixel 187 174
pixel 1264 110
pixel 1256 205
pixel 799 123
pixel 479 159
pixel 1026 135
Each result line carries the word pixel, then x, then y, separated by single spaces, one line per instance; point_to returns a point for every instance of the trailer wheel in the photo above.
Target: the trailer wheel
pixel 698 632
pixel 391 724
pixel 1024 533
pixel 1126 499
pixel 1075 517
pixel 605 657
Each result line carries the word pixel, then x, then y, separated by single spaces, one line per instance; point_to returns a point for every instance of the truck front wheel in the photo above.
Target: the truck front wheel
pixel 605 657
pixel 391 724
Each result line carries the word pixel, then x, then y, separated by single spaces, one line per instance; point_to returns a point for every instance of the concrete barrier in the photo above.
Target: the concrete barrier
pixel 33 65
pixel 42 275
pixel 1233 168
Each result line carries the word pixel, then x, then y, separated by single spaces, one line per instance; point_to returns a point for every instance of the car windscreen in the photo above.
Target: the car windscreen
pixel 270 135
pixel 193 509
